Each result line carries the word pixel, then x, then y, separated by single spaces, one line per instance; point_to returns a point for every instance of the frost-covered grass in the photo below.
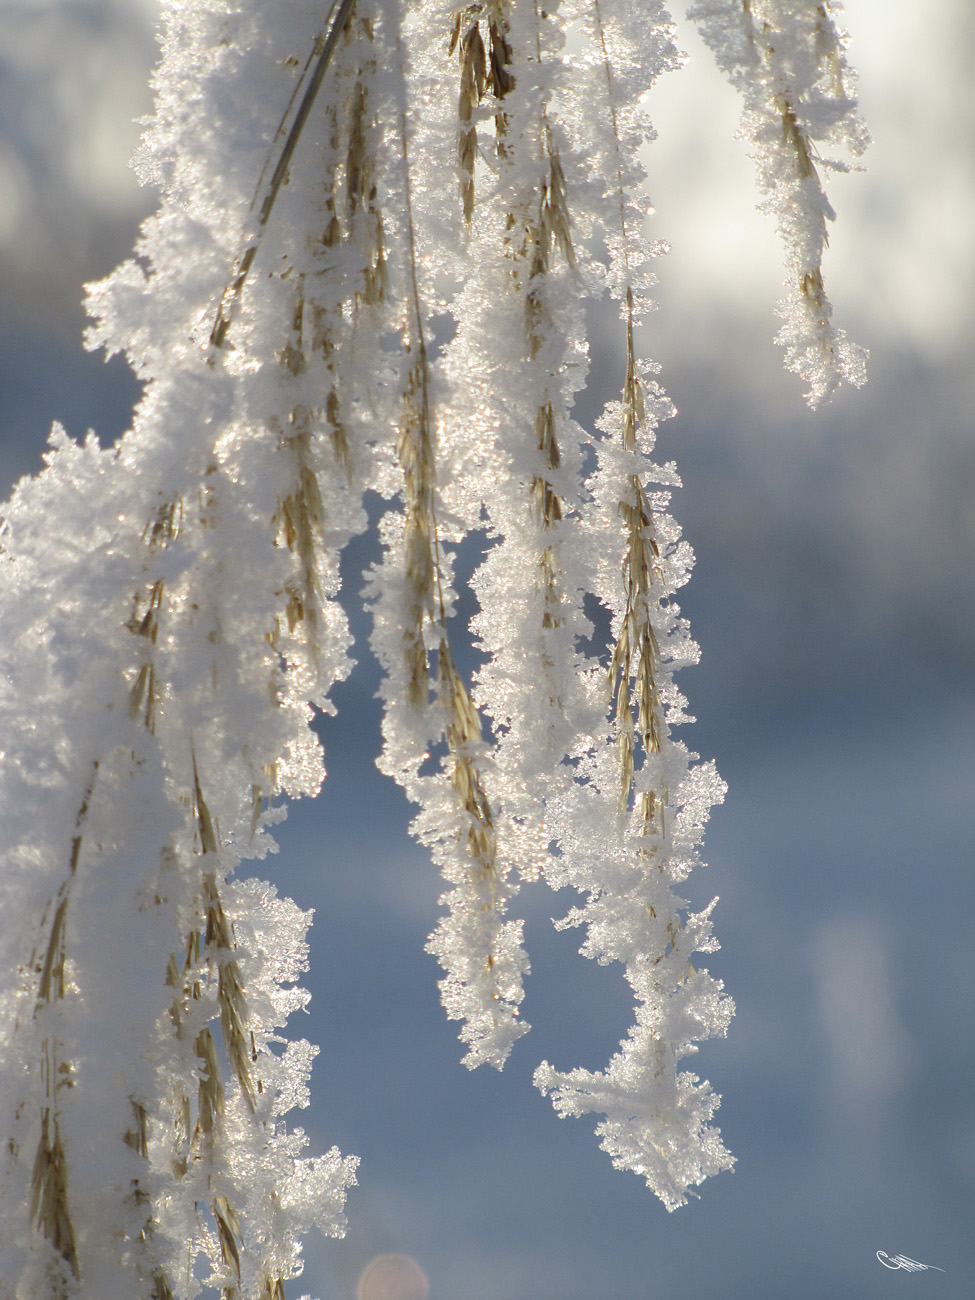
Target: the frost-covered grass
pixel 330 184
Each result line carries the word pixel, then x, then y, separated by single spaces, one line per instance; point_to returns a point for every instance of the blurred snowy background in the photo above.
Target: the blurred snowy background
pixel 834 601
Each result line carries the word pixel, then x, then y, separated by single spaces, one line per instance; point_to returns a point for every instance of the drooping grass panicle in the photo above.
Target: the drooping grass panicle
pixel 525 269
pixel 788 60
pixel 237 531
pixel 428 707
pixel 621 821
pixel 384 237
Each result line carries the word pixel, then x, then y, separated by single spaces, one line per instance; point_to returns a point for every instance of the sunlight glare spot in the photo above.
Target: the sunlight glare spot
pixel 392 1277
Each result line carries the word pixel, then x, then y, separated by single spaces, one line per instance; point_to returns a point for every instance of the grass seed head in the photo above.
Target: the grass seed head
pixel 49 1192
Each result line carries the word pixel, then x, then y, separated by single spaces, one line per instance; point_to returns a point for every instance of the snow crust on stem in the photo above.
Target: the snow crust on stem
pixel 321 308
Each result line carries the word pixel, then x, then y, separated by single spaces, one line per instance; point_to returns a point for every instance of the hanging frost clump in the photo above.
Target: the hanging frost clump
pixel 332 179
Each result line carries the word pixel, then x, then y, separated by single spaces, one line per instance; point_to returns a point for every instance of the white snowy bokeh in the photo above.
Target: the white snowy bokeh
pixel 833 603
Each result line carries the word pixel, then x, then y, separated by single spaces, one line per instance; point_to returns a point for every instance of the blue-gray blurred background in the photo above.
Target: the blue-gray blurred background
pixel 834 601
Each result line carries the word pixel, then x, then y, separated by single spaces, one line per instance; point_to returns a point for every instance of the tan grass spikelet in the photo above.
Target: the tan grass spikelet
pixel 230 1233
pixel 482 70
pixel 828 48
pixel 233 1024
pixel 322 327
pixel 549 231
pixel 336 427
pixel 209 842
pixel 547 509
pixel 49 1192
pixel 417 455
pixel 470 48
pixel 143 694
pixel 210 1098
pixel 553 217
pixel 416 452
pixel 463 740
pixel 218 940
pixel 299 526
pixel 636 654
pixel 161 531
pixel 639 567
pixel 499 65
pixel 361 191
pixel 181 1136
pixel 299 518
pixel 137 1137
pixel 51 986
pixel 162 1288
pixel 414 449
pixel 49 1208
pixel 356 162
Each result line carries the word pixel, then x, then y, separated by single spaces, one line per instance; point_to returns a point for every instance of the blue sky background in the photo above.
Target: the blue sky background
pixel 834 602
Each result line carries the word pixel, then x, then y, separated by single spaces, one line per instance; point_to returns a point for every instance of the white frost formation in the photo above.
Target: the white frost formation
pixel 336 184
pixel 788 60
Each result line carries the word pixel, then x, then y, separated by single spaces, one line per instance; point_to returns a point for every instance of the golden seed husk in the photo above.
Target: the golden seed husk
pixel 49 1192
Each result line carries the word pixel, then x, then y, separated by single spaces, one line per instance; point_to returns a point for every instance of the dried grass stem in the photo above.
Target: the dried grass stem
pixel 325 44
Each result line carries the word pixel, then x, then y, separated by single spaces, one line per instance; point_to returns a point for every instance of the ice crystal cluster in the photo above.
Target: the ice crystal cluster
pixel 379 228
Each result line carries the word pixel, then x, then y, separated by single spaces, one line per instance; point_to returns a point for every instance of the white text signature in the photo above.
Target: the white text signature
pixel 902 1261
